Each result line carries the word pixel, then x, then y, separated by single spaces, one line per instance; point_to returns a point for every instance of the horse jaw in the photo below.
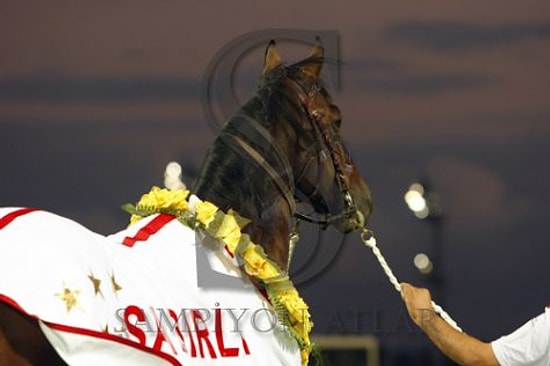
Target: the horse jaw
pixel 271 231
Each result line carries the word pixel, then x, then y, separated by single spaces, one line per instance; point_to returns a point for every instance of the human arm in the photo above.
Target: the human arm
pixel 460 347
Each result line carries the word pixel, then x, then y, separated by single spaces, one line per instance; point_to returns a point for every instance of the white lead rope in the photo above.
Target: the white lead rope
pixel 368 238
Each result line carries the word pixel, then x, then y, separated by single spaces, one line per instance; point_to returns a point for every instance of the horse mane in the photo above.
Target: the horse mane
pixel 232 179
pixel 272 103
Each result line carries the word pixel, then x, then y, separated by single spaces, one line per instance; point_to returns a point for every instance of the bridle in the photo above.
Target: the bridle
pixel 315 114
pixel 256 134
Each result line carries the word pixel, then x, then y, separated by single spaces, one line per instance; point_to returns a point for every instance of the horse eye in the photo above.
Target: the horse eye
pixel 335 111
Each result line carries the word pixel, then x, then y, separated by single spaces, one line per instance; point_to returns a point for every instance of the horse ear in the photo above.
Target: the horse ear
pixel 316 56
pixel 272 59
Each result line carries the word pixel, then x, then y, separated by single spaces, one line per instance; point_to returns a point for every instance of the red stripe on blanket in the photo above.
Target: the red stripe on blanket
pixel 89 332
pixel 151 228
pixel 111 337
pixel 6 220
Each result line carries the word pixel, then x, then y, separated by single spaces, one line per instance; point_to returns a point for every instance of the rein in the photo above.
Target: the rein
pixel 261 160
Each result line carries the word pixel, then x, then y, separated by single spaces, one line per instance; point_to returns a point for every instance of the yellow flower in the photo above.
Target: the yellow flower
pixel 227 228
pixel 160 200
pixel 241 221
pixel 205 212
pixel 295 305
pixel 163 199
pixel 134 219
pixel 303 329
pixel 253 261
pixel 269 271
pixel 257 264
pixel 305 355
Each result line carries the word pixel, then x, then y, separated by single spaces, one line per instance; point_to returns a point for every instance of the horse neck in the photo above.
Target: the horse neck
pixel 231 178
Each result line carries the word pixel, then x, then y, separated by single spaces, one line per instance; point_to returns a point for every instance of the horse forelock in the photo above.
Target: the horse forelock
pixel 278 102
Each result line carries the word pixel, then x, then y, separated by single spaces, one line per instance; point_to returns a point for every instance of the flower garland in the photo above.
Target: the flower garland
pixel 291 309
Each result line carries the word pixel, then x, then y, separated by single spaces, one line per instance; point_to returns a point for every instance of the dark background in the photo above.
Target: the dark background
pixel 96 98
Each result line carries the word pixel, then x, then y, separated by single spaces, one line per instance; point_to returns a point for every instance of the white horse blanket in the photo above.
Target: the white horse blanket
pixel 155 293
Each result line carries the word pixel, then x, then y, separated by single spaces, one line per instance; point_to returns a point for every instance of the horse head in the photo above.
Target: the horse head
pixel 324 171
pixel 285 144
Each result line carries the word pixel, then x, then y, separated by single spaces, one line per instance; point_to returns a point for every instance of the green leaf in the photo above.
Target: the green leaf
pixel 128 207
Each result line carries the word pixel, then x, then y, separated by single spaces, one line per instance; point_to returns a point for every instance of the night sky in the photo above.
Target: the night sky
pixel 97 97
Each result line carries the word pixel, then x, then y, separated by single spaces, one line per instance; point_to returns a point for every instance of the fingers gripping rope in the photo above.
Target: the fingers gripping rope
pixel 369 240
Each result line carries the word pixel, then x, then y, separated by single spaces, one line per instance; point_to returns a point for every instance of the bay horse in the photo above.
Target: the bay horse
pixel 285 138
pixel 283 143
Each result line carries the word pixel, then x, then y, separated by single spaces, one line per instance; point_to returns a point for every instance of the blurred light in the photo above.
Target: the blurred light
pixel 414 198
pixel 423 263
pixel 172 176
pixel 415 201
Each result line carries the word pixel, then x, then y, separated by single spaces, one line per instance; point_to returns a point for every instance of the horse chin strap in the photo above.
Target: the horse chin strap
pixel 329 219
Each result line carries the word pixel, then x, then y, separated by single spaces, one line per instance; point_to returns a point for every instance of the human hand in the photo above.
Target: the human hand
pixel 419 304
